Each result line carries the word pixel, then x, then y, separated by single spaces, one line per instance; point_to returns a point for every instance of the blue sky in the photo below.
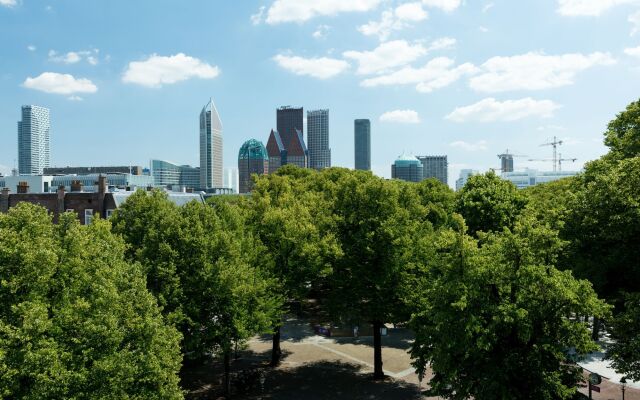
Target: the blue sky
pixel 125 80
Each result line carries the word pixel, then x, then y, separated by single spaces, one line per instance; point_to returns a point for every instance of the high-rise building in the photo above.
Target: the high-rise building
pixel 362 144
pixel 210 147
pixel 318 139
pixel 252 159
pixel 276 151
pixel 33 140
pixel 408 168
pixel 435 167
pixel 464 177
pixel 288 120
pixel 176 176
pixel 297 151
pixel 231 179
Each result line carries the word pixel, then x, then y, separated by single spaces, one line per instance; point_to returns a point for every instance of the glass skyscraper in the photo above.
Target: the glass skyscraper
pixel 318 139
pixel 252 159
pixel 33 140
pixel 210 148
pixel 435 167
pixel 408 168
pixel 362 144
pixel 166 174
pixel 289 120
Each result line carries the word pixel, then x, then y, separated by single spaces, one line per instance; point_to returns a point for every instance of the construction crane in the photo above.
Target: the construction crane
pixel 555 145
pixel 559 160
pixel 506 161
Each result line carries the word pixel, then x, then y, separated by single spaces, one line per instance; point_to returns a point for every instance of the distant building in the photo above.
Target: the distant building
pixel 532 177
pixel 89 183
pixel 130 169
pixel 33 140
pixel 231 180
pixel 435 167
pixel 318 139
pixel 506 162
pixel 174 176
pixel 276 151
pixel 28 183
pixel 288 121
pixel 297 151
pixel 210 147
pixel 464 176
pixel 252 159
pixel 86 205
pixel 362 144
pixel 407 168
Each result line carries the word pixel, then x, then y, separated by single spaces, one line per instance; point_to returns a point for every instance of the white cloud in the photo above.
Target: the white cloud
pixel 394 20
pixel 442 44
pixel 632 51
pixel 634 19
pixel 257 18
pixel 490 110
pixel 75 98
pixel 487 7
pixel 401 117
pixel 8 3
pixel 51 82
pixel 445 5
pixel 321 32
pixel 157 70
pixel 588 7
pixel 386 56
pixel 73 57
pixel 303 10
pixel 320 68
pixel 483 29
pixel 436 74
pixel 467 146
pixel 31 47
pixel 534 71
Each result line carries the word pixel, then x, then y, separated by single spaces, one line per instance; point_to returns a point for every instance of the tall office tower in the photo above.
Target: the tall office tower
pixel 289 119
pixel 362 142
pixel 210 147
pixel 276 151
pixel 33 140
pixel 408 168
pixel 297 151
pixel 252 159
pixel 318 139
pixel 435 167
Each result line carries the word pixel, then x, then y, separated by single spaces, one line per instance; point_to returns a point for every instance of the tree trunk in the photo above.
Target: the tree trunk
pixel 595 334
pixel 276 352
pixel 227 373
pixel 377 351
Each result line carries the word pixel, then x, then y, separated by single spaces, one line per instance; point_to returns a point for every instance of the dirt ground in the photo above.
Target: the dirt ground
pixel 316 367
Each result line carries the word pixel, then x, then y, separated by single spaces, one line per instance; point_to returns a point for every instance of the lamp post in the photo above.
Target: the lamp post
pixel 623 382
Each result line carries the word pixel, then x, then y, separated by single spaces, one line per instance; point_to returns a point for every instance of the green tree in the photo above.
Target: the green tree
pixel 489 203
pixel 624 351
pixel 623 133
pixel 376 232
pixel 291 224
pixel 497 322
pixel 77 321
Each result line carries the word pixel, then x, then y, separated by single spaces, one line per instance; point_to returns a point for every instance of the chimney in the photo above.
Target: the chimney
pixel 76 186
pixel 61 208
pixel 4 200
pixel 102 184
pixel 149 188
pixel 23 187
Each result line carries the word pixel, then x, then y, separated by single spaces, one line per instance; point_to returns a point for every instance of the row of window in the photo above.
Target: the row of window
pixel 88 214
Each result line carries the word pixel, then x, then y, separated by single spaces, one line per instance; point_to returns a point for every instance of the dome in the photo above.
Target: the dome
pixel 253 149
pixel 407 159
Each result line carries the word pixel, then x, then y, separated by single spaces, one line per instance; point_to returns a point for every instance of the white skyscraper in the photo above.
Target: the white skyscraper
pixel 33 140
pixel 318 139
pixel 210 147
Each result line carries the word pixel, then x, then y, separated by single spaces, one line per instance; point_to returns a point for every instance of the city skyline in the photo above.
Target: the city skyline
pixel 110 95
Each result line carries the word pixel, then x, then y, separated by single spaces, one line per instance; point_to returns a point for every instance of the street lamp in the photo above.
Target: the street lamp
pixel 623 382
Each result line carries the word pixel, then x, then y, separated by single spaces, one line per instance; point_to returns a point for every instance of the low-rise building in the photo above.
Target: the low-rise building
pixel 532 177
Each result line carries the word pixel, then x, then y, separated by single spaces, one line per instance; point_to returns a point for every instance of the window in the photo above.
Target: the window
pixel 88 216
pixel 110 213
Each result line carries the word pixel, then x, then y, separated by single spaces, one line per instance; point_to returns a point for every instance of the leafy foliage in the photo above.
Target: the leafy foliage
pixel 625 349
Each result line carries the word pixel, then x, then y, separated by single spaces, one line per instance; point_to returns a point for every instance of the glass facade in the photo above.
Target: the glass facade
pixel 435 167
pixel 407 168
pixel 532 177
pixel 33 140
pixel 90 182
pixel 289 119
pixel 168 174
pixel 252 159
pixel 362 144
pixel 318 139
pixel 210 147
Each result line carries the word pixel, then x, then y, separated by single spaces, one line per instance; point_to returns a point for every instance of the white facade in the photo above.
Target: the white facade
pixel 33 140
pixel 36 183
pixel 318 139
pixel 532 177
pixel 231 179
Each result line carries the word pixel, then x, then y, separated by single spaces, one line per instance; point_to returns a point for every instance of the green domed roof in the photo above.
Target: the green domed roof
pixel 254 150
pixel 407 159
